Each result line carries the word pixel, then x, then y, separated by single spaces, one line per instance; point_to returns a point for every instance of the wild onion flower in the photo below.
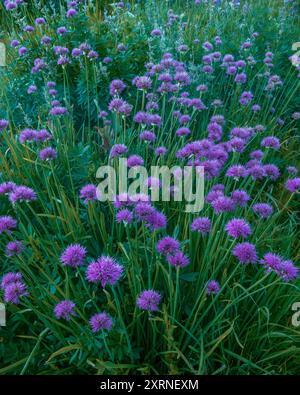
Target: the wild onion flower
pixel 116 87
pixel 238 228
pixel 292 170
pixel 74 255
pixel 240 197
pixel 58 110
pixel 293 185
pixel 270 142
pixel 65 310
pixel 88 193
pixel 201 225
pixel 3 124
pixel 147 136
pixel 272 171
pixel 245 253
pixel 118 150
pixel 22 194
pixel 71 13
pixel 14 291
pixel 264 210
pixel 236 171
pixel 7 187
pixel 223 204
pixel 156 33
pixel 212 287
pixel 135 160
pixel 160 151
pixel 105 270
pixel 101 321
pixel 7 223
pixel 149 300
pixel 48 154
pixel 10 278
pixel 167 245
pixel 178 259
pixel 125 216
pixel 14 248
pixel 142 83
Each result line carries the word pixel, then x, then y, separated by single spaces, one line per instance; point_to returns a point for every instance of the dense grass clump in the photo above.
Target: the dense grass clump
pixel 133 285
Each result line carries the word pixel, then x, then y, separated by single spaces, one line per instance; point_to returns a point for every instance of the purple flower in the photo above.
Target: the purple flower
pixel 7 187
pixel 272 171
pixel 212 287
pixel 116 87
pixel 183 131
pixel 58 110
pixel 118 150
pixel 156 33
pixel 10 278
pixel 105 270
pixel 245 253
pixel 88 193
pixel 73 255
pixel 178 259
pixel 71 13
pixel 61 30
pixel 246 98
pixel 159 151
pixel 3 124
pixel 14 248
pixel 125 216
pixel 263 209
pixel 236 171
pixel 120 105
pixel 288 271
pixel 271 142
pixel 223 204
pixel 23 51
pixel 135 160
pixel 292 170
pixel 22 193
pixel 201 225
pixel 101 321
pixel 142 83
pixel 40 21
pixel 238 228
pixel 147 136
pixel 148 300
pixel 14 291
pixel 241 78
pixel 168 245
pixel 240 197
pixel 7 223
pixel 42 135
pixel 47 154
pixel 107 60
pixel 64 310
pixel 31 89
pixel 293 185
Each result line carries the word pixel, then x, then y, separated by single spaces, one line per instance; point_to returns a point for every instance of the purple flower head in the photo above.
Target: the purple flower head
pixel 76 52
pixel 7 187
pixel 71 13
pixel 23 51
pixel 107 60
pixel 10 278
pixel 148 136
pixel 238 228
pixel 64 310
pixel 101 321
pixel 14 291
pixel 240 197
pixel 88 193
pixel 58 110
pixel 212 287
pixel 48 153
pixel 148 300
pixel 116 87
pixel 14 248
pixel 257 172
pixel 21 194
pixel 178 259
pixel 156 33
pixel 258 155
pixel 135 160
pixel 105 270
pixel 61 30
pixel 40 21
pixel 160 151
pixel 118 150
pixel 271 142
pixel 93 54
pixel 168 245
pixel 293 185
pixel 28 29
pixel 241 78
pixel 142 83
pixel 246 98
pixel 7 223
pixel 3 124
pixel 27 135
pixel 272 171
pixel 292 170
pixel 120 105
pixel 214 131
pixel 236 171
pixel 31 89
pixel 245 253
pixel 264 210
pixel 42 135
pixel 201 225
pixel 288 271
pixel 73 255
pixel 125 216
pixel 183 131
